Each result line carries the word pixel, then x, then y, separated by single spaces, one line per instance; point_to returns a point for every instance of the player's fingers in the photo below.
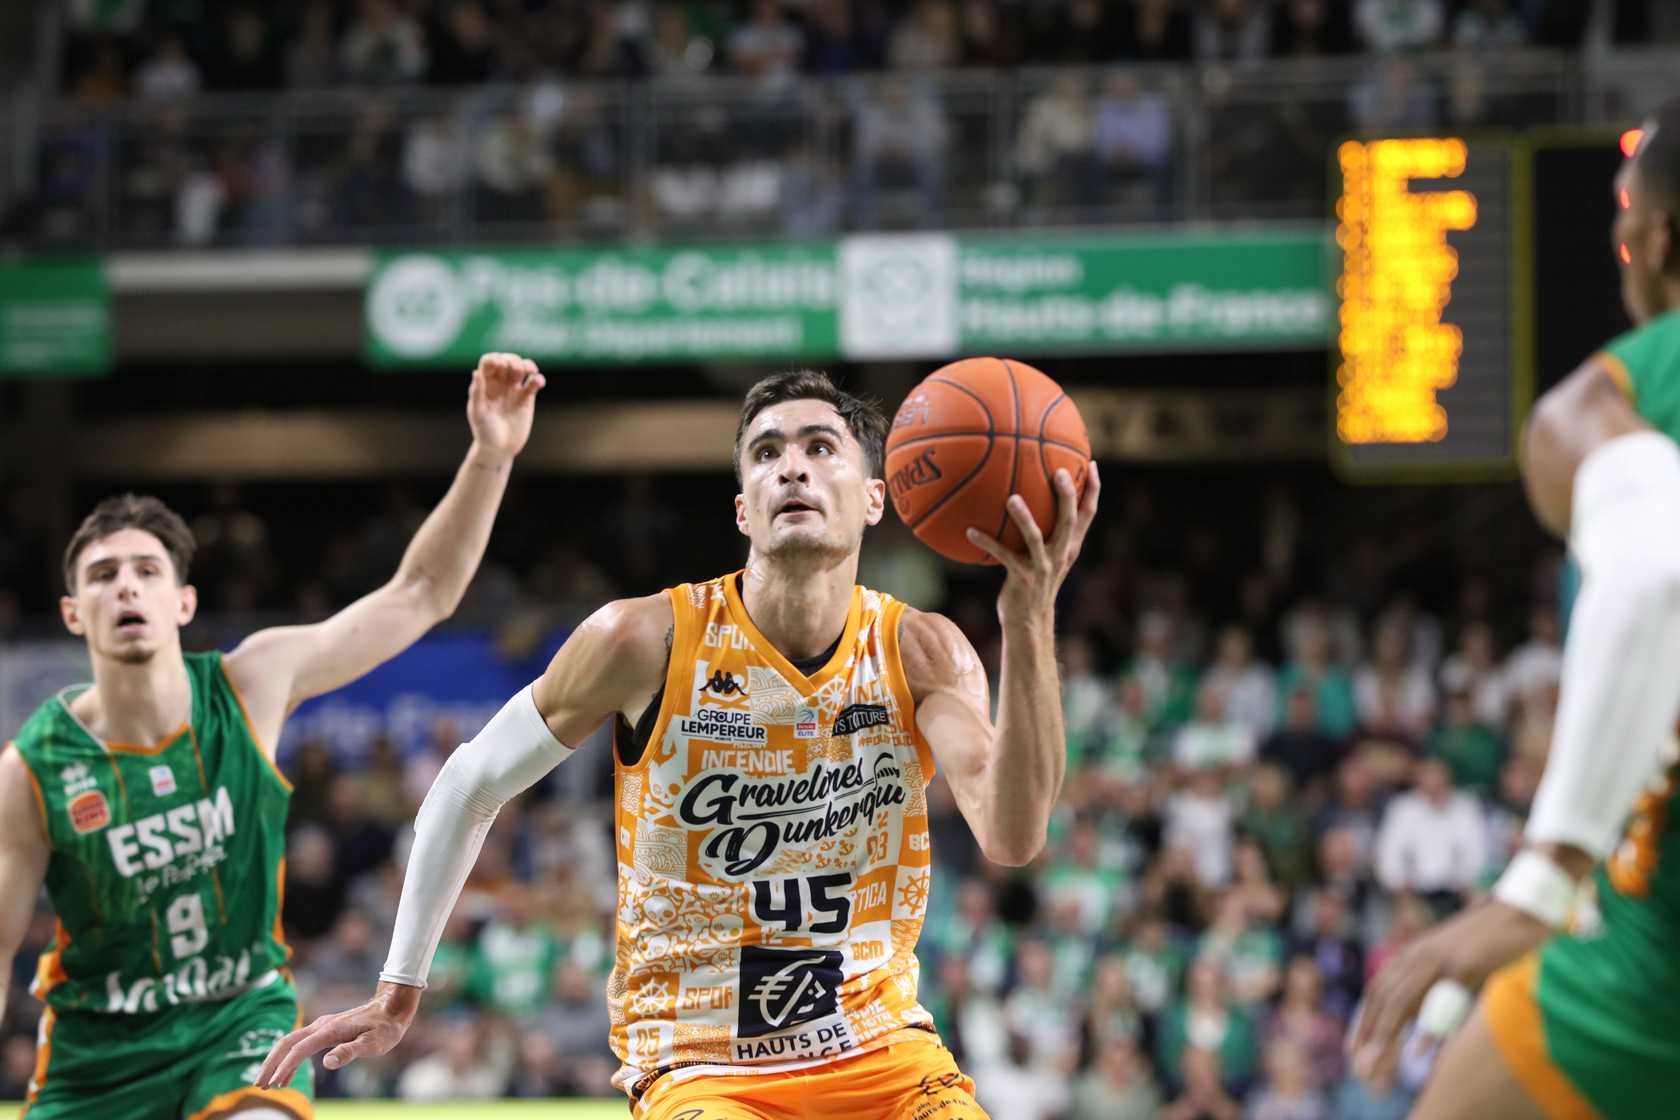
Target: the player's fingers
pixel 1031 535
pixel 504 375
pixel 1385 1017
pixel 345 1053
pixel 276 1055
pixel 293 1056
pixel 1093 487
pixel 322 1034
pixel 1364 1023
pixel 994 548
pixel 532 384
pixel 1067 509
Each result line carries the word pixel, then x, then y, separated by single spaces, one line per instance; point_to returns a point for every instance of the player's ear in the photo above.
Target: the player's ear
pixel 876 490
pixel 189 604
pixel 741 514
pixel 1665 243
pixel 71 616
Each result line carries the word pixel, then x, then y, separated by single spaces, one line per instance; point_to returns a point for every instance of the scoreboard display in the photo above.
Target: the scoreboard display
pixel 1470 269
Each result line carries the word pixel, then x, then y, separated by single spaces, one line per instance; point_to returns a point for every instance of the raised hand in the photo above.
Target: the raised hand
pixel 501 403
pixel 1036 575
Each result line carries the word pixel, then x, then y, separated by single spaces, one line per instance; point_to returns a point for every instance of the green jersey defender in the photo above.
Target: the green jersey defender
pixel 166 876
pixel 1577 1016
pixel 1606 994
pixel 165 983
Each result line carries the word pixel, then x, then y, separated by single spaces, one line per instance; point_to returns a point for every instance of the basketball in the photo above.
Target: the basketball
pixel 970 435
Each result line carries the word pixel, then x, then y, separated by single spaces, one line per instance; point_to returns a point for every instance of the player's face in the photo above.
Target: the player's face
pixel 128 603
pixel 1640 238
pixel 805 485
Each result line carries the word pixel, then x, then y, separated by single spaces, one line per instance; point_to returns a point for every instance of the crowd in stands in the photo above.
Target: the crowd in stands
pixel 601 120
pixel 1284 761
pixel 161 50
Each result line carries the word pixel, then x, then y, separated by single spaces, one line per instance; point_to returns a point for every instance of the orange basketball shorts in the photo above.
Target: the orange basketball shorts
pixel 912 1080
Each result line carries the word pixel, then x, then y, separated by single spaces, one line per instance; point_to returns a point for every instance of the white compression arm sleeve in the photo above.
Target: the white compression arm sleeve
pixel 1621 665
pixel 511 754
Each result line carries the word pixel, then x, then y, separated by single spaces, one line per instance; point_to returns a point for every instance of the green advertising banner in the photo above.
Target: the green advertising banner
pixel 55 318
pixel 436 308
pixel 866 296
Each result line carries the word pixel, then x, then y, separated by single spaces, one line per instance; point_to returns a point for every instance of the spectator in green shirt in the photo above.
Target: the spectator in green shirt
pixel 1249 953
pixel 1280 827
pixel 1081 877
pixel 1331 685
pixel 1169 685
pixel 515 958
pixel 1472 750
pixel 1206 1019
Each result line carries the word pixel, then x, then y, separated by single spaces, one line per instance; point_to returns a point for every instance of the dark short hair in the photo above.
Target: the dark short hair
pixel 132 511
pixel 863 416
pixel 1657 160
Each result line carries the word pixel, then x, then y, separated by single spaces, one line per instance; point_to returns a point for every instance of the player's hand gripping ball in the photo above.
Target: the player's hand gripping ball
pixel 969 436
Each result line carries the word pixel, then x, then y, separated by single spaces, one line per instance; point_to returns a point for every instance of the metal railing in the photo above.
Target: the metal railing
pixel 725 157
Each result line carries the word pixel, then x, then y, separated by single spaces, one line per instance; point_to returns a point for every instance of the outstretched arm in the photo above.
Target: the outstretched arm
pixel 613 662
pixel 1598 473
pixel 23 860
pixel 277 669
pixel 1005 778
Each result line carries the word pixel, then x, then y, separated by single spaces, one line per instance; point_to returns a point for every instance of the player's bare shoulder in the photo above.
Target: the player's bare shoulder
pixel 21 826
pixel 641 629
pixel 1572 419
pixel 937 656
pixel 613 662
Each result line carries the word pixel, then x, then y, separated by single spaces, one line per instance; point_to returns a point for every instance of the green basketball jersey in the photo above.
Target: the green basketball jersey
pixel 1608 994
pixel 1646 361
pixel 1639 888
pixel 167 860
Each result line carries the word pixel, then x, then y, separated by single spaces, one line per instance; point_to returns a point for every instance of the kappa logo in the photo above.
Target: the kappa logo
pixel 76 778
pixel 784 987
pixel 90 812
pixel 856 717
pixel 726 691
pixel 724 684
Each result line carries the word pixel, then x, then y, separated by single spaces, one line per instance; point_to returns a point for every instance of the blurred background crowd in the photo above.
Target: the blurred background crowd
pixel 174 122
pixel 1303 719
pixel 1289 750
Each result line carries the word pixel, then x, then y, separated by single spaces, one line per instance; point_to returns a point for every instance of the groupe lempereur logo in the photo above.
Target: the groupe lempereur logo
pixel 416 306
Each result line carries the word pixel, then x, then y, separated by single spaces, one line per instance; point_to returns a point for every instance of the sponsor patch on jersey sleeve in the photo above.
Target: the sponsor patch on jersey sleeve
pixel 90 812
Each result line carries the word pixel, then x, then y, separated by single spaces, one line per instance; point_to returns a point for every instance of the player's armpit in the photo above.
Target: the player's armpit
pixel 1572 420
pixel 23 857
pixel 613 662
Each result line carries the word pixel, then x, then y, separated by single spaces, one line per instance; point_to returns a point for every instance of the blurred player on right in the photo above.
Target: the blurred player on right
pixel 1587 1023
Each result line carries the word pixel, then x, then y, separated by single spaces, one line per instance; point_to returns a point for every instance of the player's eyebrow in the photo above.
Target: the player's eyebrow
pixel 769 434
pixel 110 561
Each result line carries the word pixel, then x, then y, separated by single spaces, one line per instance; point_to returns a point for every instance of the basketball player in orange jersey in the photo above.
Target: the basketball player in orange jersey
pixel 776 728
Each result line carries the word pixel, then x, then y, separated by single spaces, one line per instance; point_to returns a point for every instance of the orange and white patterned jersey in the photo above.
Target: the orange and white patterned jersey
pixel 773 850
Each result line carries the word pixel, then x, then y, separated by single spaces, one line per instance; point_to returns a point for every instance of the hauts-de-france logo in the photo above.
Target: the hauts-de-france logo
pixel 781 988
pixel 416 305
